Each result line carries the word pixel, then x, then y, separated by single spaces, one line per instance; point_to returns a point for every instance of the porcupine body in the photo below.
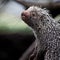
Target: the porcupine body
pixel 47 33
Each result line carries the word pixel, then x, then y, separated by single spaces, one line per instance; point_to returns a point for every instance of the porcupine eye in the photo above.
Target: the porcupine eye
pixel 33 14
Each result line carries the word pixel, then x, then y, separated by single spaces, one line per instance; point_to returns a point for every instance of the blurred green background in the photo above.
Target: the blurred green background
pixel 13 24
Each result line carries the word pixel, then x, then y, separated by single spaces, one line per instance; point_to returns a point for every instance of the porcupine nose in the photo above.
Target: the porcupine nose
pixel 25 15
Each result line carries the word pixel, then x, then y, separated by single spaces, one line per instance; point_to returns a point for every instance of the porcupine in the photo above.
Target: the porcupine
pixel 46 31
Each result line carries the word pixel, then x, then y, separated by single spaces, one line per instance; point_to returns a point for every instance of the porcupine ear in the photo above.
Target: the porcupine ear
pixel 46 10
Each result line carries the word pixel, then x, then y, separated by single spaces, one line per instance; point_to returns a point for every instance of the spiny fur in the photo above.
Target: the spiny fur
pixel 47 33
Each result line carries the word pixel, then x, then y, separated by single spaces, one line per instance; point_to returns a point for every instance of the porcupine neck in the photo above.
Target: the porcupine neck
pixel 45 28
